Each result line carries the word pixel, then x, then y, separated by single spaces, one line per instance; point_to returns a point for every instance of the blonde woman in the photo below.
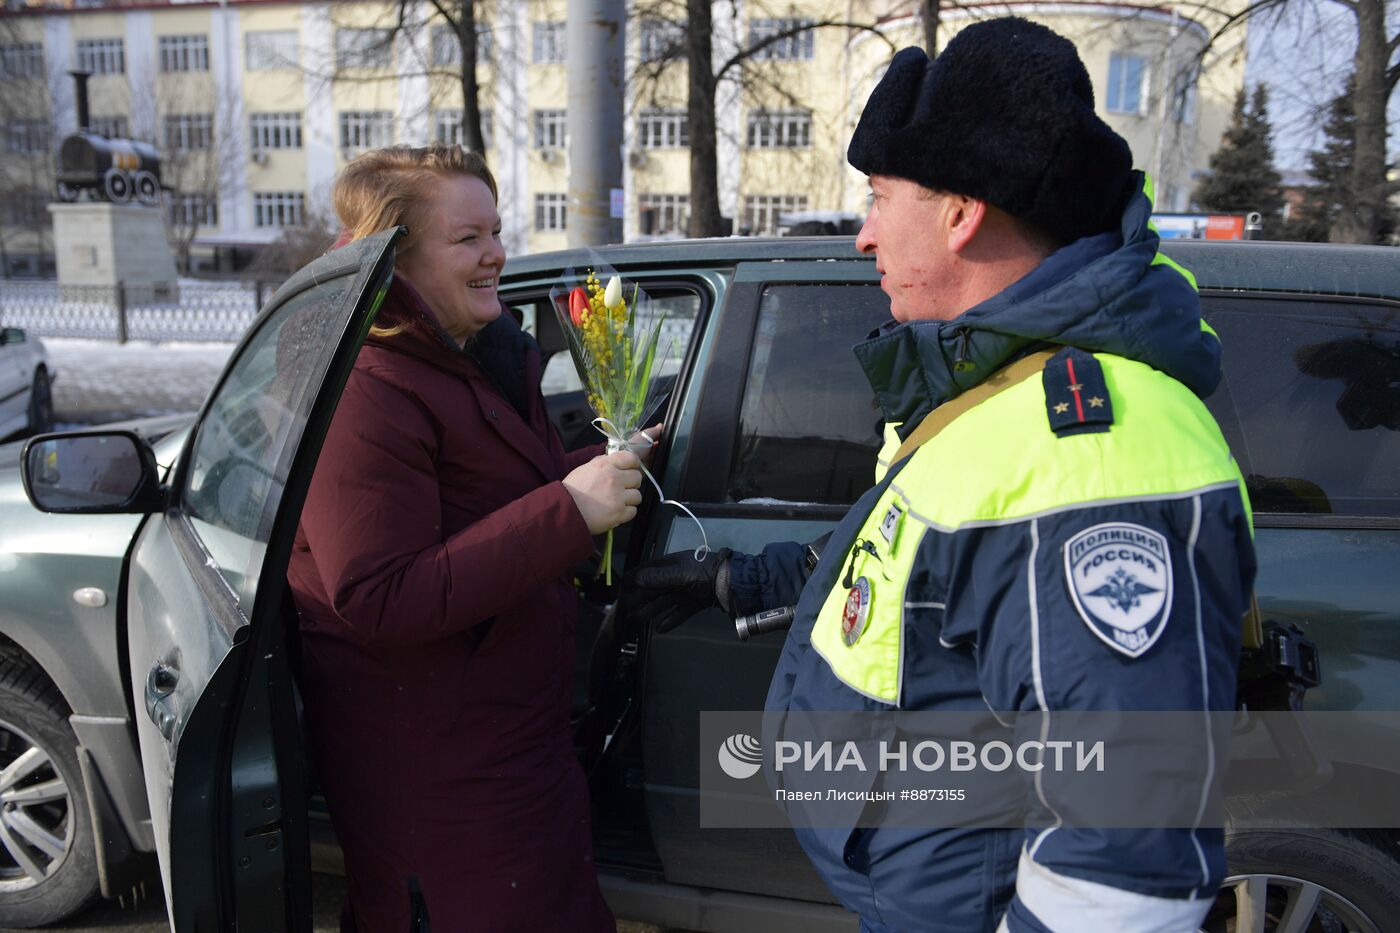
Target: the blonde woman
pixel 432 571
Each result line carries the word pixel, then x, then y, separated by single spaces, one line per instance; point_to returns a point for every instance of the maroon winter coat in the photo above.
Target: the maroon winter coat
pixel 432 571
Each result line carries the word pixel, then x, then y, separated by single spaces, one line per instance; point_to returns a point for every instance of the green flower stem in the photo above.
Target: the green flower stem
pixel 605 571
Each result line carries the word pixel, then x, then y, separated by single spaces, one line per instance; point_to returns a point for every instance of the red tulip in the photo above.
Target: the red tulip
pixel 578 306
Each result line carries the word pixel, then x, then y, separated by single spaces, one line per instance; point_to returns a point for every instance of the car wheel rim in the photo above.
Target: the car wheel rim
pixel 1281 904
pixel 36 831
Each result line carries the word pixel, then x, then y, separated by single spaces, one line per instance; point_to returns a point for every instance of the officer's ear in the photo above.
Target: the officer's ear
pixel 964 218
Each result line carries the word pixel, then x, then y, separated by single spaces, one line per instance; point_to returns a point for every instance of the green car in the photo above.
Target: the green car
pixel 147 690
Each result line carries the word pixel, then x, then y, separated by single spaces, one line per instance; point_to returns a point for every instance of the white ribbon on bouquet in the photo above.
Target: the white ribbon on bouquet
pixel 617 440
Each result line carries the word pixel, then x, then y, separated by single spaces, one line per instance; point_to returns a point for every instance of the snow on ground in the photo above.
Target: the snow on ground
pixel 101 380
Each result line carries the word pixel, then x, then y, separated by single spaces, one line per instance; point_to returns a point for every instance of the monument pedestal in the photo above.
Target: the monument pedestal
pixel 98 244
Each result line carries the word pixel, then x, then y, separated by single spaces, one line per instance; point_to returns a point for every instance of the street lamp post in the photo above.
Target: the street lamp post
pixel 594 59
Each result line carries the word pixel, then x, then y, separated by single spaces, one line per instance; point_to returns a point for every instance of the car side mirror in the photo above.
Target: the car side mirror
pixel 11 335
pixel 91 473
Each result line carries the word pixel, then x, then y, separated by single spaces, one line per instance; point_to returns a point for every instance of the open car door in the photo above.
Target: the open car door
pixel 209 619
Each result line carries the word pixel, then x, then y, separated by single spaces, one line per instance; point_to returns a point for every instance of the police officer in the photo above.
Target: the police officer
pixel 1057 523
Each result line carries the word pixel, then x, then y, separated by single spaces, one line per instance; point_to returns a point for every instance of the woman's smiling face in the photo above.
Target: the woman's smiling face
pixel 456 258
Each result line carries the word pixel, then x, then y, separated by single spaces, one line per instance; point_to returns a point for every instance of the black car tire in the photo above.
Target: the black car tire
pixel 41 403
pixel 33 715
pixel 1353 885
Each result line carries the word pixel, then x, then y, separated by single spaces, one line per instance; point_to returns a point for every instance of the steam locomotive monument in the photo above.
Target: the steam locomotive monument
pixel 115 169
pixel 109 233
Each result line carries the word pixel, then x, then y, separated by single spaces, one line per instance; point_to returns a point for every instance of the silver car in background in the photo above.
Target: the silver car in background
pixel 26 402
pixel 72 802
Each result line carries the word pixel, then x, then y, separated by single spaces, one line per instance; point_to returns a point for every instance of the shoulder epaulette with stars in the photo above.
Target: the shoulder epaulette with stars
pixel 1076 395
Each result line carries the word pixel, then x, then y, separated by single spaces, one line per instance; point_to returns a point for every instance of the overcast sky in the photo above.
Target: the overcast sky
pixel 1304 55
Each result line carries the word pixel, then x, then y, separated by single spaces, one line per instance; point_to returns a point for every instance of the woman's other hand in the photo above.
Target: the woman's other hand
pixel 645 442
pixel 607 490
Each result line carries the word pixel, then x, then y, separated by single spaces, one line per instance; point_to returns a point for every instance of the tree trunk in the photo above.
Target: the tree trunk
pixel 471 108
pixel 1360 220
pixel 930 18
pixel 705 218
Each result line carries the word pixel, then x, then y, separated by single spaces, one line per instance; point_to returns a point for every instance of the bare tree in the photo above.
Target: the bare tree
pixel 28 140
pixel 929 15
pixel 199 136
pixel 460 17
pixel 457 41
pixel 1376 73
pixel 295 247
pixel 748 65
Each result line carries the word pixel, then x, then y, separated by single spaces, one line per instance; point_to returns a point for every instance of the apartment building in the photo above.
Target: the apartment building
pixel 256 104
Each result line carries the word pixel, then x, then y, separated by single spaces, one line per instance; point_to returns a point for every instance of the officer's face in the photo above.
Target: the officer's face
pixel 906 230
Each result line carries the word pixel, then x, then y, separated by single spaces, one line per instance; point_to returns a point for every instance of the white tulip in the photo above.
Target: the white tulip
pixel 612 295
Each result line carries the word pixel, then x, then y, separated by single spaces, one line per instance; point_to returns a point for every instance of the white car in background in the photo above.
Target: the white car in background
pixel 26 399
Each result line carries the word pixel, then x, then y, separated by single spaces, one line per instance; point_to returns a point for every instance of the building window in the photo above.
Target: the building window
pixel 794 42
pixel 113 127
pixel 447 51
pixel 184 53
pixel 447 127
pixel 364 48
pixel 1127 75
pixel 277 208
pixel 663 129
pixel 27 137
pixel 366 129
pixel 780 129
pixel 761 211
pixel 663 213
pixel 550 211
pixel 551 129
pixel 19 60
pixel 28 209
pixel 192 210
pixel 662 40
pixel 549 43
pixel 271 51
pixel 275 131
pixel 101 56
pixel 189 131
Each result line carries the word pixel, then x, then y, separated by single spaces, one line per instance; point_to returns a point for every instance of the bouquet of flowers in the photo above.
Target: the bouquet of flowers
pixel 614 339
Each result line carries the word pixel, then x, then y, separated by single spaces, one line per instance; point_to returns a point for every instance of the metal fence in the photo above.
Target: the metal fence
pixel 201 310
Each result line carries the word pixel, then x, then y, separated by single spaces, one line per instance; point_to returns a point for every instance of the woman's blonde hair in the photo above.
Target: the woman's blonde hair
pixel 392 187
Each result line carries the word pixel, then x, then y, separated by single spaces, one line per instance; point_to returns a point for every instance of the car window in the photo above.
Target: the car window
pixel 809 425
pixel 241 450
pixel 1314 391
pixel 678 309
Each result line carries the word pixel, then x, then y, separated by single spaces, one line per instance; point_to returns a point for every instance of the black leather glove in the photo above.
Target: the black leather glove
pixel 671 589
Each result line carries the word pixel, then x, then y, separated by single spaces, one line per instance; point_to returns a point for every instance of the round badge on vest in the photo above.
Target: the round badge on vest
pixel 857 612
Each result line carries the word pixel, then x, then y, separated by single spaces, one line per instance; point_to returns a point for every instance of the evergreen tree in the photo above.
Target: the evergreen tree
pixel 1242 175
pixel 1333 169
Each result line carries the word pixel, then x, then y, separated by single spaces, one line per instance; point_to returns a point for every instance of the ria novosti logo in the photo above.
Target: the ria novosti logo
pixel 741 756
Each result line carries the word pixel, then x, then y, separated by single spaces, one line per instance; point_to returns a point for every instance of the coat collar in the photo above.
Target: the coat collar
pixel 1110 293
pixel 501 364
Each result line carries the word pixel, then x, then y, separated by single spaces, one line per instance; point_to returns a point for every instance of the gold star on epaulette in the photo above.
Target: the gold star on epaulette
pixel 1061 408
pixel 1095 402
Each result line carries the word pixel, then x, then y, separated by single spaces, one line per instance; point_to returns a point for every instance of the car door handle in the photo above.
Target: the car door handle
pixel 160 685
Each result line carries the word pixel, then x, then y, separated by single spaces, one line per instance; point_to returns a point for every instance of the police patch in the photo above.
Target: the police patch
pixel 1120 577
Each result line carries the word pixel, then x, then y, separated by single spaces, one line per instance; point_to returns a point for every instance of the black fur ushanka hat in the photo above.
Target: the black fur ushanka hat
pixel 1005 115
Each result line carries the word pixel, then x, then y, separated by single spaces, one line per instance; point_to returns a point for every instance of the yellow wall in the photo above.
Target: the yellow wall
pixel 833 85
